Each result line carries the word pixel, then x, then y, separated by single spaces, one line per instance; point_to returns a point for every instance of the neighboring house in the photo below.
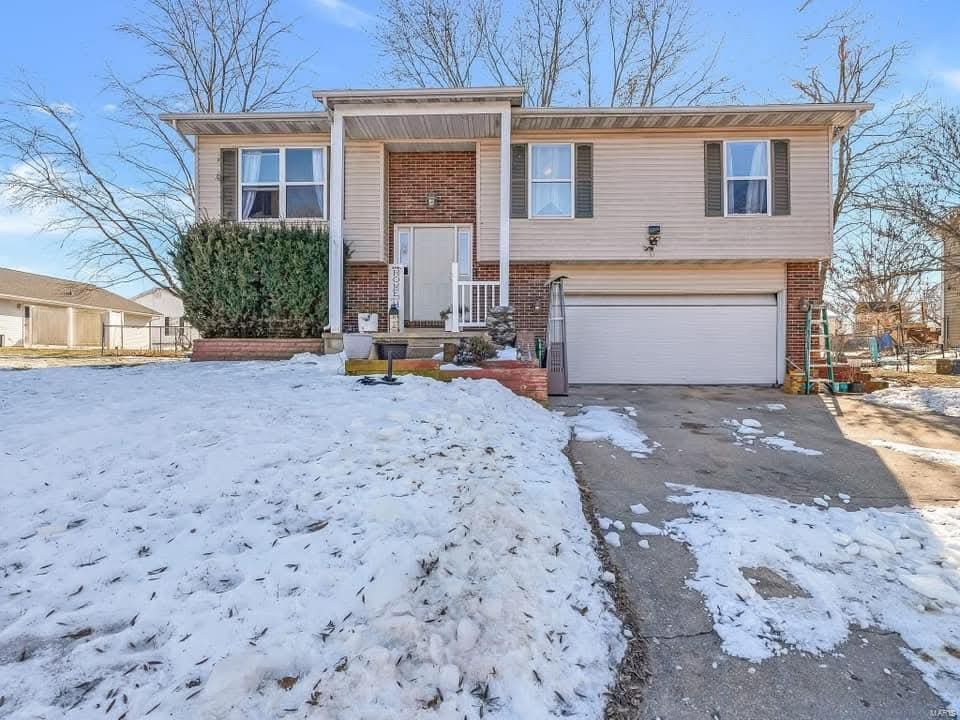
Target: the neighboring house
pixel 950 325
pixel 689 237
pixel 37 310
pixel 170 321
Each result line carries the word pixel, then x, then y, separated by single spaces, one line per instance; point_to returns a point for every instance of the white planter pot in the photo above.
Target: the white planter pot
pixel 368 322
pixel 357 346
pixel 448 324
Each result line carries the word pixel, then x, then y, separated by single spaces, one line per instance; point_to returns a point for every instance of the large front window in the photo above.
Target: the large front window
pixel 747 177
pixel 551 180
pixel 283 183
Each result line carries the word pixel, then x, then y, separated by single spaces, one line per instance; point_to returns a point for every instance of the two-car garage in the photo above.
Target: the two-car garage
pixel 623 328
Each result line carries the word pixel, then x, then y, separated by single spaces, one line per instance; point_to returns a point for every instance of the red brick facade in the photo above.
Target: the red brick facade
pixel 411 176
pixel 529 297
pixel 365 290
pixel 253 348
pixel 803 283
pixel 452 176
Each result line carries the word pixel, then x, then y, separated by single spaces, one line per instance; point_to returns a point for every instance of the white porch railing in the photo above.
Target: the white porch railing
pixel 472 300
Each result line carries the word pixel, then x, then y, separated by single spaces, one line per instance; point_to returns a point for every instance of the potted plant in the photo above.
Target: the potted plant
pixel 447 317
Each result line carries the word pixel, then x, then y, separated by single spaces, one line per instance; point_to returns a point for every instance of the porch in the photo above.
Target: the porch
pixel 432 272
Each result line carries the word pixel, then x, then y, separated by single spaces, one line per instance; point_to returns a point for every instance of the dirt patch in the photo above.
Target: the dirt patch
pixel 39 358
pixel 922 377
pixel 626 695
pixel 770 584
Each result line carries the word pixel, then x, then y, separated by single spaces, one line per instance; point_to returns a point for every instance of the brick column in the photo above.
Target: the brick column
pixel 803 284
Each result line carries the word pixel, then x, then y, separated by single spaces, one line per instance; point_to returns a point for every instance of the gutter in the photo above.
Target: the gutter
pixel 173 124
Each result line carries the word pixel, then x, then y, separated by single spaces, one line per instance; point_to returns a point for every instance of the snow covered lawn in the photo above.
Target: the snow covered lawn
pixel 894 569
pixel 944 401
pixel 261 540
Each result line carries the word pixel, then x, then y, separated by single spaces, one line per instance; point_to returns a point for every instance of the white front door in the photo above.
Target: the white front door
pixel 433 251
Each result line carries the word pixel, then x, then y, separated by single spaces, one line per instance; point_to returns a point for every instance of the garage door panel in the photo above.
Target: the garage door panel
pixel 682 343
pixel 49 325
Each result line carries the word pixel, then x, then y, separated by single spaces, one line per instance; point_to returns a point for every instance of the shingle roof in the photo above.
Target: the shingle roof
pixel 42 288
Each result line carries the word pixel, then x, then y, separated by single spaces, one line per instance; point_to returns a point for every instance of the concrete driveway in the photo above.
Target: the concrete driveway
pixel 690 676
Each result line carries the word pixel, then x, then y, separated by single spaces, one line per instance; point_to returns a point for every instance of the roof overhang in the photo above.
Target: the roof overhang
pixel 419 96
pixel 254 123
pixel 838 116
pixel 77 303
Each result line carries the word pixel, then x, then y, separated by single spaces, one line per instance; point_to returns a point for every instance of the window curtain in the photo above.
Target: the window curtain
pixel 250 173
pixel 757 196
pixel 319 176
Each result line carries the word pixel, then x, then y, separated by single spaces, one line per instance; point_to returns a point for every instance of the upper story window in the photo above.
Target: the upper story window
pixel 284 183
pixel 747 184
pixel 551 180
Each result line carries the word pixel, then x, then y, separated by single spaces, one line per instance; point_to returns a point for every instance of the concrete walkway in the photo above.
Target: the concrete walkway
pixel 690 676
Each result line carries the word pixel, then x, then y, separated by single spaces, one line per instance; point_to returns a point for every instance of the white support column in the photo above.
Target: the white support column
pixel 455 300
pixel 336 280
pixel 505 121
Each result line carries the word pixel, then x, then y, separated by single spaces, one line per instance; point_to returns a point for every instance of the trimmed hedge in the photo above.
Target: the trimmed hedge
pixel 253 280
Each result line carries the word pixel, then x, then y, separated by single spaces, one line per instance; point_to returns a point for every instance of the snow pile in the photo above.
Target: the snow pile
pixel 261 540
pixel 946 457
pixel 598 423
pixel 746 431
pixel 893 569
pixel 944 401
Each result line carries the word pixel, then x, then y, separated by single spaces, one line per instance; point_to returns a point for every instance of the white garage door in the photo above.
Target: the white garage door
pixel 682 339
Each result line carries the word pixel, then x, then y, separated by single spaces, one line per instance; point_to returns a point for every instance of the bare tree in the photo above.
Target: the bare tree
pixel 122 211
pixel 429 43
pixel 536 48
pixel 922 191
pixel 855 70
pixel 555 49
pixel 655 56
pixel 881 266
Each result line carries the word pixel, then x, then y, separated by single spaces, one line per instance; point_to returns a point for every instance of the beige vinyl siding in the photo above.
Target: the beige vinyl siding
pixel 363 169
pixel 656 178
pixel 951 296
pixel 208 162
pixel 364 201
pixel 488 201
pixel 671 278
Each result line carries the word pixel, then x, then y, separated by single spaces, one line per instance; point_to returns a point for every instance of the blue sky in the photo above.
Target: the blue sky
pixel 66 47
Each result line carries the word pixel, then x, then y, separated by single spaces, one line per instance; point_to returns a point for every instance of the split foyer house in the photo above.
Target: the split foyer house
pixel 689 237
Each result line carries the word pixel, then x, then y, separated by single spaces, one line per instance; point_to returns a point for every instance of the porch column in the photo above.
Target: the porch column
pixel 335 280
pixel 505 206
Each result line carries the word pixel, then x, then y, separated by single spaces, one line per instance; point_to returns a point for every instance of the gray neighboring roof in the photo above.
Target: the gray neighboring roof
pixel 43 289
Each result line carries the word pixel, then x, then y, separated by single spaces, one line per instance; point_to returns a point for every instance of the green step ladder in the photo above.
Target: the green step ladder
pixel 817 327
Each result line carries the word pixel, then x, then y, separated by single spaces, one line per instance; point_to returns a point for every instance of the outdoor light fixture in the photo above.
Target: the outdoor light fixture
pixel 653 237
pixel 432 200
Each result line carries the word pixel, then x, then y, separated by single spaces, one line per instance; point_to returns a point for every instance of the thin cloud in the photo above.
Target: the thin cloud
pixel 951 78
pixel 109 108
pixel 344 13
